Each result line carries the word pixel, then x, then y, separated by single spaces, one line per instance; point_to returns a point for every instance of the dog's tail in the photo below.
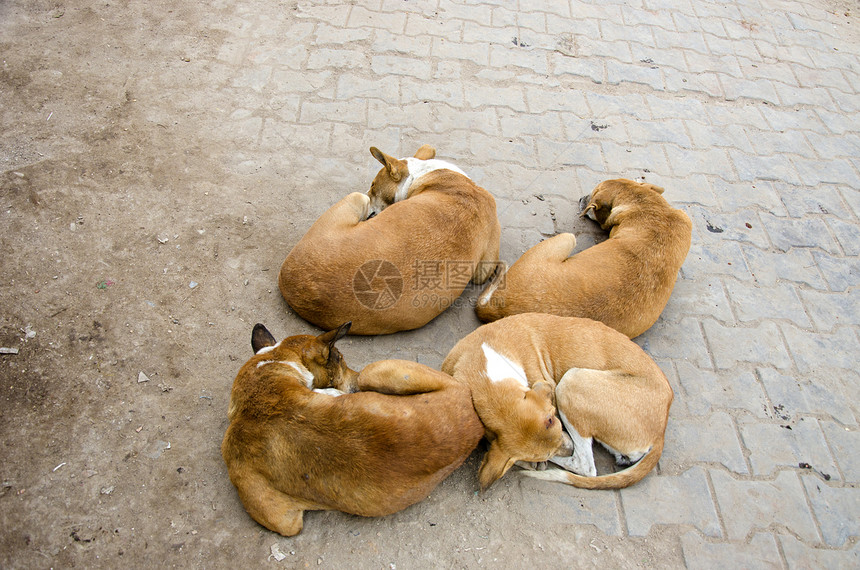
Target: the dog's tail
pixel 487 308
pixel 617 480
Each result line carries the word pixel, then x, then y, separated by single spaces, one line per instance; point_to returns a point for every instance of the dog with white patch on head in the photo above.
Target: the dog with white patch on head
pixel 308 433
pixel 394 258
pixel 605 388
pixel 624 281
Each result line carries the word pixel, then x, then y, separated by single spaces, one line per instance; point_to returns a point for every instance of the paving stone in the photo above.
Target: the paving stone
pixel 722 258
pixel 710 439
pixel 660 500
pixel 836 171
pixel 847 234
pixel 677 340
pixel 835 508
pixel 844 442
pixel 840 273
pixel 795 265
pixel 618 72
pixel 799 556
pixel 706 391
pixel 751 167
pixel 714 227
pixel 440 92
pixel 735 196
pixel 695 189
pixel 694 297
pixel 732 345
pixel 562 504
pixel 351 87
pixel 818 352
pixel 773 446
pixel 786 233
pixel 829 310
pixel 752 302
pixel 590 68
pixel 629 158
pixel 759 504
pixel 793 119
pixel 761 552
pixel 794 396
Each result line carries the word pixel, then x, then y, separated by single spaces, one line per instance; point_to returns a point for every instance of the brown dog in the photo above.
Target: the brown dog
pixel 395 258
pixel 624 281
pixel 295 444
pixel 606 389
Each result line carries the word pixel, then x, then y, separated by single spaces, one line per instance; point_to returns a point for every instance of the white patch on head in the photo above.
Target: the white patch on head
pixel 303 372
pixel 582 460
pixel 329 391
pixel 500 368
pixel 417 169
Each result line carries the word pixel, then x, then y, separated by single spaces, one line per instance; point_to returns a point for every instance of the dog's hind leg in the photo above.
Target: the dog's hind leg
pixel 268 506
pixel 555 249
pixel 402 378
pixel 489 262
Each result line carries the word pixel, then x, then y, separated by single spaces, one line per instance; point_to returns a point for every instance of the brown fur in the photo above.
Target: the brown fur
pixel 289 449
pixel 624 282
pixel 446 219
pixel 605 385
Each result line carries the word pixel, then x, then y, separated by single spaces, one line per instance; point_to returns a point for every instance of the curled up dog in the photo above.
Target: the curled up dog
pixel 308 433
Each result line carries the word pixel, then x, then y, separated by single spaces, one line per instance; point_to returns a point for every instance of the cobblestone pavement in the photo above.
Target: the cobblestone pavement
pixel 160 159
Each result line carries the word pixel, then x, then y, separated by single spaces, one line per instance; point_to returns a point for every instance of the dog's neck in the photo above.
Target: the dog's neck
pixel 417 169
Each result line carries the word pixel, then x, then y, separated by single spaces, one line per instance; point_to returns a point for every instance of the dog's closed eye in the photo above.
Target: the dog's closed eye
pixel 550 421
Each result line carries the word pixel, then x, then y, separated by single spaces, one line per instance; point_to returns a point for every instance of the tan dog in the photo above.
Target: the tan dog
pixel 606 389
pixel 624 281
pixel 295 444
pixel 395 258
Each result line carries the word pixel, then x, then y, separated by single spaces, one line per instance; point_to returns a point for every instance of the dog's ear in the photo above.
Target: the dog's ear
pixel 426 152
pixel 261 338
pixel 329 338
pixel 655 188
pixel 495 464
pixel 588 210
pixel 396 169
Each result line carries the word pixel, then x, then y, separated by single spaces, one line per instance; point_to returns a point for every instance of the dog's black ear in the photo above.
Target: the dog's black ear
pixel 261 338
pixel 332 336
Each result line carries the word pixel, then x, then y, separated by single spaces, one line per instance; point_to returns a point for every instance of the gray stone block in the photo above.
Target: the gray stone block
pixel 757 344
pixel 786 233
pixel 820 352
pixel 773 446
pixel 835 508
pixel 754 303
pixel 761 552
pixel 710 439
pixel 844 442
pixel 706 391
pixel 795 265
pixel 661 500
pixel 799 556
pixel 751 505
pixel 840 273
pixel 792 397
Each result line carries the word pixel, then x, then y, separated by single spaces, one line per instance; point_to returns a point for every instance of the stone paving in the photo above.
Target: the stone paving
pixel 746 111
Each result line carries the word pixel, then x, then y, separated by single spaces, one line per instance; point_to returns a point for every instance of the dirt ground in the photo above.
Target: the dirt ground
pixel 143 225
